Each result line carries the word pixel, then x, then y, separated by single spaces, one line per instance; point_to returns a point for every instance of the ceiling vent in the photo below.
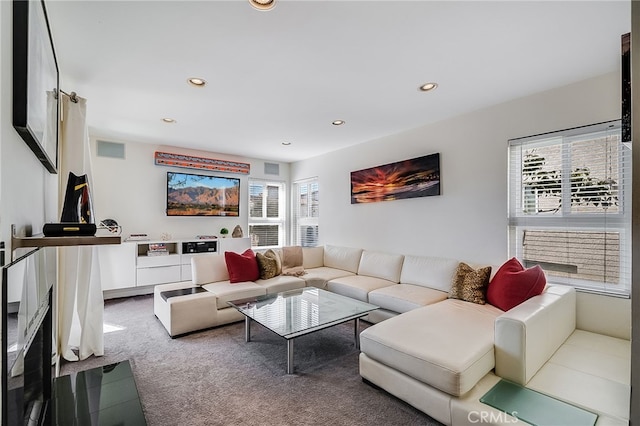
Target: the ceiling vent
pixel 272 169
pixel 110 149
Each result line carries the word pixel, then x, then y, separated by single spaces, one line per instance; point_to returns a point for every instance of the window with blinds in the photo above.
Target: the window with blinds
pixel 570 205
pixel 306 211
pixel 267 215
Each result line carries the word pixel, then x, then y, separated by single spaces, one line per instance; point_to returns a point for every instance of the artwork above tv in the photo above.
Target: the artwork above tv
pixel 201 195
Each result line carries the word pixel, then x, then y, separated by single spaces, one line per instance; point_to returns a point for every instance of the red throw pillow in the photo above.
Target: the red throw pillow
pixel 242 267
pixel 513 284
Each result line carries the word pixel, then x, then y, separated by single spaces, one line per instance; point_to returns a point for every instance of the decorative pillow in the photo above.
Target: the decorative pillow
pixel 274 255
pixel 292 261
pixel 267 266
pixel 470 284
pixel 513 284
pixel 242 267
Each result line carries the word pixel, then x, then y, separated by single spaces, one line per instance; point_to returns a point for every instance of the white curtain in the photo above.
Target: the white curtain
pixel 80 302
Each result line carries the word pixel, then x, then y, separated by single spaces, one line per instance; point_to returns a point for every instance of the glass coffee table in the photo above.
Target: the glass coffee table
pixel 294 313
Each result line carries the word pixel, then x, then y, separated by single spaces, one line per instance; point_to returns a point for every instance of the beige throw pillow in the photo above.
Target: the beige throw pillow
pixel 470 284
pixel 292 261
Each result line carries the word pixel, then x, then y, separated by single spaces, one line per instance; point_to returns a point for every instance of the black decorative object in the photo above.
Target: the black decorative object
pixel 77 207
pixel 35 78
pixel 69 229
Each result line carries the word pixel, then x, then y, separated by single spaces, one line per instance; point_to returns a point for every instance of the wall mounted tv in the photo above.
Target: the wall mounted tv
pixel 200 195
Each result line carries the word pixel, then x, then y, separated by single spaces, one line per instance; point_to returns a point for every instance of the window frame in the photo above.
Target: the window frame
pixel 519 220
pixel 264 220
pixel 297 219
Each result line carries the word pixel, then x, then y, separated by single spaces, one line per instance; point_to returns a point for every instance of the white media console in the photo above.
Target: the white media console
pixel 128 269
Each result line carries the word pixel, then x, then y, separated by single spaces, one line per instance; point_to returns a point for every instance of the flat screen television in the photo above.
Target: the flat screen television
pixel 200 195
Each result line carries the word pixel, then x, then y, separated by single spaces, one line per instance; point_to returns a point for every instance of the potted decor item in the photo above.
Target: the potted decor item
pixel 224 232
pixel 237 232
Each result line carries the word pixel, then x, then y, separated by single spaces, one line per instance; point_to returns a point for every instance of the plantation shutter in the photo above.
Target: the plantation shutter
pixel 569 206
pixel 306 212
pixel 266 213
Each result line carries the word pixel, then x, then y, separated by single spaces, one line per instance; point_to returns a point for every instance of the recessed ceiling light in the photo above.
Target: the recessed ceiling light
pixel 338 122
pixel 168 120
pixel 286 143
pixel 427 87
pixel 197 82
pixel 263 4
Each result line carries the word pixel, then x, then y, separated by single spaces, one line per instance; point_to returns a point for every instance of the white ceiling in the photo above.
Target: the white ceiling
pixel 285 75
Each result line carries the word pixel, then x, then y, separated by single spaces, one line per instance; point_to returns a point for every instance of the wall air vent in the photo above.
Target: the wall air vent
pixel 272 169
pixel 110 149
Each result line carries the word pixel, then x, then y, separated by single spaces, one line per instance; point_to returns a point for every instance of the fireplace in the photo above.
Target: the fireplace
pixel 27 285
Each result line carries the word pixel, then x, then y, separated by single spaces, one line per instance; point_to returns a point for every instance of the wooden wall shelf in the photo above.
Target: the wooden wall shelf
pixel 42 241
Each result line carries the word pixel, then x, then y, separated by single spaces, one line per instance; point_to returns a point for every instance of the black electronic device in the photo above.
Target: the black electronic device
pixel 69 229
pixel 200 247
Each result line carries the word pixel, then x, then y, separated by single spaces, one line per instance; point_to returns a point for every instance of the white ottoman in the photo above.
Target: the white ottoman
pixel 182 313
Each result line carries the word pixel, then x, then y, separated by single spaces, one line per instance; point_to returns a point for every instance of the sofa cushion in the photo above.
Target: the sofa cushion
pixel 589 370
pixel 267 266
pixel 513 284
pixel 318 277
pixel 405 297
pixel 433 272
pixel 226 291
pixel 381 265
pixel 281 283
pixel 208 269
pixel 357 286
pixel 242 267
pixel 312 257
pixel 448 345
pixel 470 284
pixel 345 258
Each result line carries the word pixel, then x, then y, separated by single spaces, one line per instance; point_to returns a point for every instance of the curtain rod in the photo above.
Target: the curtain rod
pixel 73 96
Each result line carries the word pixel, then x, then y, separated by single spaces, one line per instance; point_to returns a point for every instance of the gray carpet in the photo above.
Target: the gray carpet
pixel 214 377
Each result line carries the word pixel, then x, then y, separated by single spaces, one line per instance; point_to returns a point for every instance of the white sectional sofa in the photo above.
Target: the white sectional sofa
pixel 438 354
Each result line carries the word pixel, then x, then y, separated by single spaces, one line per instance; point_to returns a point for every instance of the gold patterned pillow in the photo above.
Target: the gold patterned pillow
pixel 267 266
pixel 470 284
pixel 274 255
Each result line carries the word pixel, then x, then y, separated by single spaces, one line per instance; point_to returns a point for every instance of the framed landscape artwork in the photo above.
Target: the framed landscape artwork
pixel 417 177
pixel 35 82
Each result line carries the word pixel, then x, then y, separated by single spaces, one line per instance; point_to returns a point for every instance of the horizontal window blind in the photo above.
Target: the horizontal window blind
pixel 267 216
pixel 569 206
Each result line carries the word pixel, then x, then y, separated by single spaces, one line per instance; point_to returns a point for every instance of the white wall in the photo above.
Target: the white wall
pixel 28 192
pixel 133 191
pixel 469 220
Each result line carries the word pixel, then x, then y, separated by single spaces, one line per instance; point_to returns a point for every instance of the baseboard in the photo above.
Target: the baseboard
pixel 127 292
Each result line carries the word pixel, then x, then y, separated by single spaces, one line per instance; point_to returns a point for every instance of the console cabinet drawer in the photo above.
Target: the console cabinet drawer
pixel 158 275
pixel 151 261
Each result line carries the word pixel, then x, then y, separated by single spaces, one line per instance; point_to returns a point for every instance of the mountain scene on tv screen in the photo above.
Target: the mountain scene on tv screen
pixel 203 201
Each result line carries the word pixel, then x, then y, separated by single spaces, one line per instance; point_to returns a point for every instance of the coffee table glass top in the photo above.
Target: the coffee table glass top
pixel 296 312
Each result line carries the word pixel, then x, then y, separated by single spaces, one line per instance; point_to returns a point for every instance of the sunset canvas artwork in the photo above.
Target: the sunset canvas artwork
pixel 417 177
